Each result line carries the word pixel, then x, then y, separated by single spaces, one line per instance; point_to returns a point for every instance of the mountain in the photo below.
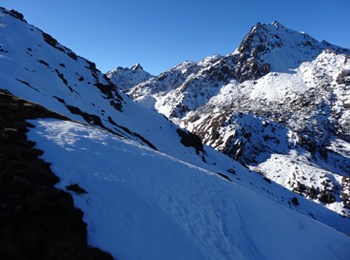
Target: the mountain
pixel 124 78
pixel 279 104
pixel 145 188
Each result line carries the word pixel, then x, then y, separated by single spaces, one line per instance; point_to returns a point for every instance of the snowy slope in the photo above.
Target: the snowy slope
pixel 163 208
pixel 276 77
pixel 35 67
pixel 137 194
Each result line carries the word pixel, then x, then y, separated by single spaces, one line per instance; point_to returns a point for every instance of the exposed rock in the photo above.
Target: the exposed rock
pixel 76 188
pixel 92 119
pixel 224 176
pixel 346 191
pixel 14 13
pixel 38 221
pixel 53 42
pixel 189 139
pixel 295 201
pixel 326 197
pixel 267 180
pixel 344 77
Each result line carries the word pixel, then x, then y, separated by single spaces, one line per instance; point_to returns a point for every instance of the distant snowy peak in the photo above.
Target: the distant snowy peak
pixel 281 48
pixel 269 36
pixel 125 78
pixel 137 66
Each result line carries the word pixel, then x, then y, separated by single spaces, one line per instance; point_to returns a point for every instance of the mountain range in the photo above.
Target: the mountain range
pixel 278 104
pixel 86 172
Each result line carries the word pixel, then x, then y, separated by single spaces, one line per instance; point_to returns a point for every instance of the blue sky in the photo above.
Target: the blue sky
pixel 160 34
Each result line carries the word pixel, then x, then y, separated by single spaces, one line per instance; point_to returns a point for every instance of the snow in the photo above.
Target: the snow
pixel 143 204
pixel 276 88
pixel 170 203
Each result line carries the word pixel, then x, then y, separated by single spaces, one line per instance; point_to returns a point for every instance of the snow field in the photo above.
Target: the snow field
pixel 142 204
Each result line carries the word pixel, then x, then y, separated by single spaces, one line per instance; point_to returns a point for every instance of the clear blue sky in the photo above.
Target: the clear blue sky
pixel 160 34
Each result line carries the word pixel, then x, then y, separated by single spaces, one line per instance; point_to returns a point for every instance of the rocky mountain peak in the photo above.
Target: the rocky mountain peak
pixel 125 78
pixel 277 24
pixel 137 66
pixel 264 37
pixel 277 48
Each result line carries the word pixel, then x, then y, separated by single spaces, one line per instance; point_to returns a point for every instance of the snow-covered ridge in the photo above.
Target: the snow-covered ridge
pixel 270 42
pixel 34 66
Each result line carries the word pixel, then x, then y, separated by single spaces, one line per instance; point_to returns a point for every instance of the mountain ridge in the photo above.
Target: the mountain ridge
pixel 282 77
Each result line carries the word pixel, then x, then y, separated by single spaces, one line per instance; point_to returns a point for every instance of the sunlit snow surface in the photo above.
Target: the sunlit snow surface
pixel 143 204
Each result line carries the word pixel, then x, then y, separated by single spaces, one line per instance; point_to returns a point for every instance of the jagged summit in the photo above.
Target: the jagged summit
pixel 264 38
pixel 125 78
pixel 277 24
pixel 137 66
pixel 277 48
